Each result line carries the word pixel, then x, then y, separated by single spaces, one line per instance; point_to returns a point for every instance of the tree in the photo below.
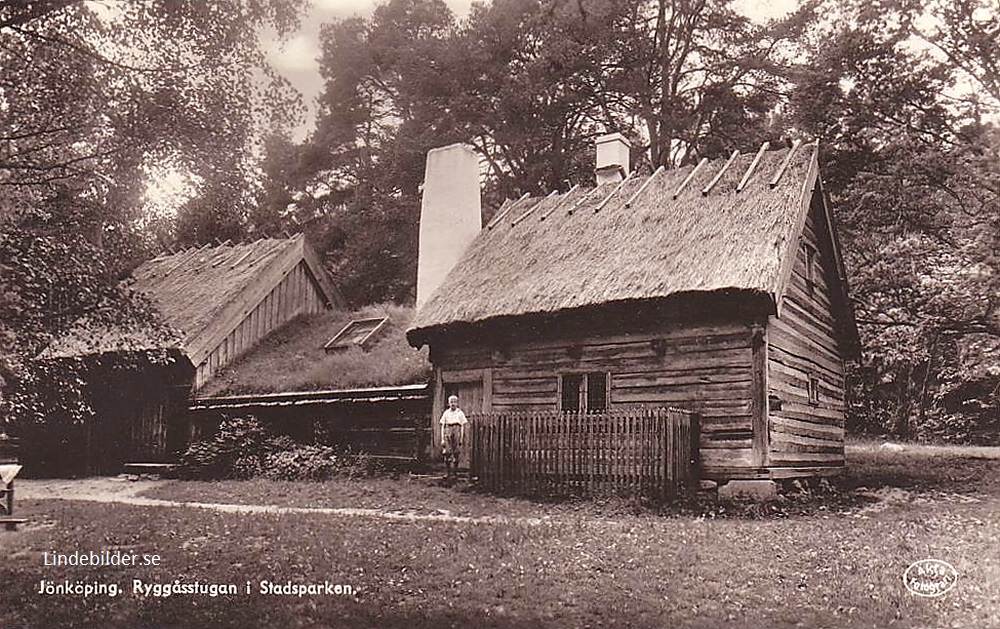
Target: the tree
pixel 93 97
pixel 966 31
pixel 910 176
pixel 356 182
pixel 529 83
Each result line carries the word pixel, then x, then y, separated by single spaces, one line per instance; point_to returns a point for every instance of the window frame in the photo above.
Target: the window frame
pixel 810 278
pixel 812 389
pixel 583 381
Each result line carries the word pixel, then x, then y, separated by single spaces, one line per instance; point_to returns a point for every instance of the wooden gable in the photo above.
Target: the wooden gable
pixel 292 284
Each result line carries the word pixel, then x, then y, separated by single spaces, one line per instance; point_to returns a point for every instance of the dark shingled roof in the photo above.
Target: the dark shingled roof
pixel 636 241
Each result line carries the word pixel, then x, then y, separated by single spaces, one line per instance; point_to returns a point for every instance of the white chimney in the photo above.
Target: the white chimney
pixel 450 216
pixel 612 158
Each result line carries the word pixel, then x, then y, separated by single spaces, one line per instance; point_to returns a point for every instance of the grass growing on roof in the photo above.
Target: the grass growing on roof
pixel 293 358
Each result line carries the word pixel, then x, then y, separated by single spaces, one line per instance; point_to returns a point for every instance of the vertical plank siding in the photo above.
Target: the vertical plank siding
pixel 294 295
pixel 705 369
pixel 651 452
pixel 802 344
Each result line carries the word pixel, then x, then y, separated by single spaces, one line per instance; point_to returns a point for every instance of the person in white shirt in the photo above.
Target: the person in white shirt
pixel 453 422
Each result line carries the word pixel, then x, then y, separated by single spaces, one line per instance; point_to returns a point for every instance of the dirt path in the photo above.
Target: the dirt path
pixel 121 491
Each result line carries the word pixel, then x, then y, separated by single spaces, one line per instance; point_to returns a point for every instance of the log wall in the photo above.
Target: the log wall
pixel 702 368
pixel 802 345
pixel 389 424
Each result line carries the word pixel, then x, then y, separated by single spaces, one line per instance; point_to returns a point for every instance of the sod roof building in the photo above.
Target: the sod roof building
pixel 716 287
pixel 212 304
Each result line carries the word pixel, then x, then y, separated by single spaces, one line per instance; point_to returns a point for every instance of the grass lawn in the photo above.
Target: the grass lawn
pixel 810 563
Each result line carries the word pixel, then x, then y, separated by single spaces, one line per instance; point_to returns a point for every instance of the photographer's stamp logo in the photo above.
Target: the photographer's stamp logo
pixel 930 577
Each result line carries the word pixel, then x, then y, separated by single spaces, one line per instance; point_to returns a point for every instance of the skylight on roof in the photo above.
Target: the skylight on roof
pixel 357 333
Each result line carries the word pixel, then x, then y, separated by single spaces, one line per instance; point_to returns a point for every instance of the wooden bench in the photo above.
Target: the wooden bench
pixel 7 473
pixel 11 523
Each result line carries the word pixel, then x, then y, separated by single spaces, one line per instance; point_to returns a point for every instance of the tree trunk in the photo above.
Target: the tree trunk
pixel 902 423
pixel 924 385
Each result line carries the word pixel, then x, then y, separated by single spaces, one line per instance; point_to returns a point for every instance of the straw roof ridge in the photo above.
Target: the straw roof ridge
pixel 591 246
pixel 191 289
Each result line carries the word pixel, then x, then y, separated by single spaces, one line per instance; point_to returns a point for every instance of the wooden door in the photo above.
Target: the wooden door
pixel 470 400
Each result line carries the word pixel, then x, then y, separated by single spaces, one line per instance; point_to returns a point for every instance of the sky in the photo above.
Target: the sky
pixel 296 57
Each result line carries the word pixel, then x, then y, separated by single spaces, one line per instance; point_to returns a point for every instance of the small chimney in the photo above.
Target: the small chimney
pixel 612 158
pixel 450 216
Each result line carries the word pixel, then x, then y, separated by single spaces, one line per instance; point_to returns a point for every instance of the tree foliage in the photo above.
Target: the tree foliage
pixel 529 83
pixel 95 100
pixel 911 170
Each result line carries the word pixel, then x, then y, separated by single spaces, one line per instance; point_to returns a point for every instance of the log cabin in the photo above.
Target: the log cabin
pixel 716 287
pixel 217 302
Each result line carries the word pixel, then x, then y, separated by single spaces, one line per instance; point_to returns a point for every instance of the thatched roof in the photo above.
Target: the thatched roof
pixel 132 325
pixel 194 289
pixel 638 241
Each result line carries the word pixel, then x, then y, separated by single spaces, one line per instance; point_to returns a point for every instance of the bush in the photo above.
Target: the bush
pixel 245 448
pixel 302 462
pixel 237 450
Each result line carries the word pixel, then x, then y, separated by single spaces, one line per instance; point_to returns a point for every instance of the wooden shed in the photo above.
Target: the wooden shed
pixel 218 302
pixel 716 288
pixel 372 398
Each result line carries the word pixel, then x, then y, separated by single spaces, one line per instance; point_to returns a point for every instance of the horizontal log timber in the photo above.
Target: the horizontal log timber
pixel 742 457
pixel 690 367
pixel 639 354
pixel 547 400
pixel 813 309
pixel 723 377
pixel 669 345
pixel 807 413
pixel 779 357
pixel 718 405
pixel 795 389
pixel 779 458
pixel 678 333
pixel 796 386
pixel 701 360
pixel 690 390
pixel 710 443
pixel 788 425
pixel 722 472
pixel 781 450
pixel 797 369
pixel 541 384
pixel 782 439
pixel 820 338
pixel 787 339
pixel 588 334
pixel 714 423
pixel 797 401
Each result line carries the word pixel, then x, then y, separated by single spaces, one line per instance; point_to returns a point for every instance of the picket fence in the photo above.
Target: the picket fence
pixel 650 452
